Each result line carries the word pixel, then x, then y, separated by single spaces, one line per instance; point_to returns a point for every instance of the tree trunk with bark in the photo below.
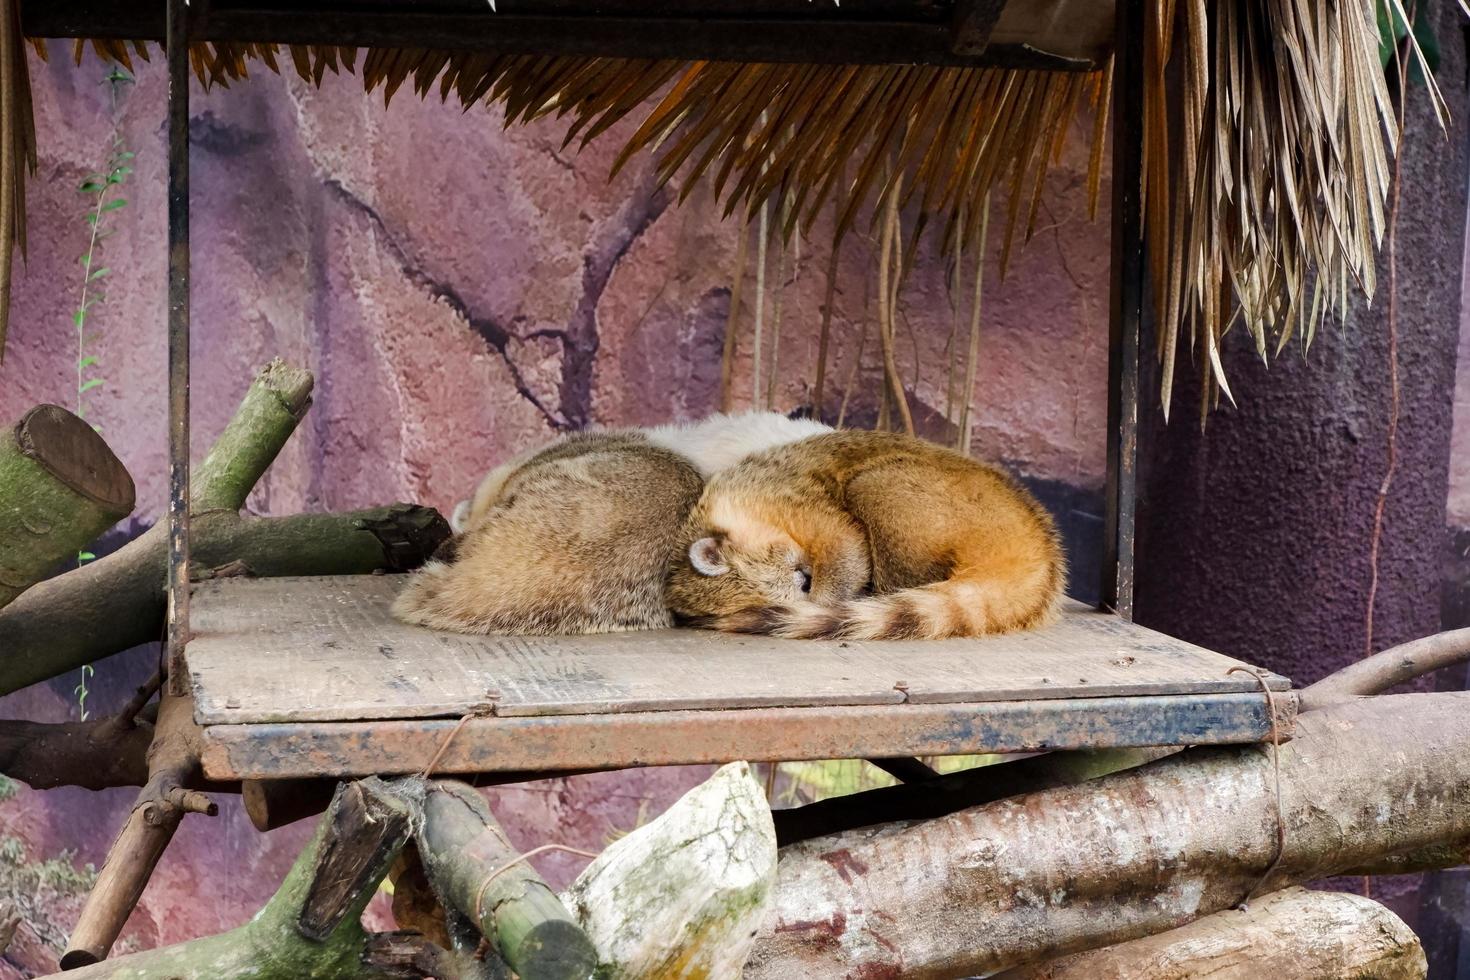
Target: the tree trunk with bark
pixel 60 487
pixel 1126 855
pixel 1293 934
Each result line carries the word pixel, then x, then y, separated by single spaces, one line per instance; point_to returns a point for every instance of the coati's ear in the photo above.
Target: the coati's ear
pixel 707 558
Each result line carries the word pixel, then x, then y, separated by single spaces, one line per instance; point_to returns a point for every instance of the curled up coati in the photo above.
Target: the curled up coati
pixel 866 535
pixel 578 536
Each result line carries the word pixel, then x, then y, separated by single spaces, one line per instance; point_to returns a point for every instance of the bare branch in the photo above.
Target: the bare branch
pixel 1391 667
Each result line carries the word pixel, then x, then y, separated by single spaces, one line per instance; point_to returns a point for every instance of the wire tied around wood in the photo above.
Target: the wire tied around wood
pixel 484 710
pixel 1276 773
pixel 518 859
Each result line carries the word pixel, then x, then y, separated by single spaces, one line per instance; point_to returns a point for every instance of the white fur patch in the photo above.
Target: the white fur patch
pixel 720 441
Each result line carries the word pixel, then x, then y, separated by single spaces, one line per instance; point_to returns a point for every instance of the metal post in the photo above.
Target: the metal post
pixel 178 343
pixel 1126 309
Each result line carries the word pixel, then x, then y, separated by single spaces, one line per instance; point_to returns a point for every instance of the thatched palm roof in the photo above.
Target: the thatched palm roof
pixel 1268 134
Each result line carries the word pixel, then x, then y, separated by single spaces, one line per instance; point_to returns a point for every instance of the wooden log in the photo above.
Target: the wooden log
pixel 474 868
pixel 331 882
pixel 682 895
pixel 61 487
pixel 1127 855
pixel 173 761
pixel 117 602
pixel 1300 934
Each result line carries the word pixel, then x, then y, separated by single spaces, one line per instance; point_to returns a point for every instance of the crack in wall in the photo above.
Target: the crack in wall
pixel 495 335
pixel 579 340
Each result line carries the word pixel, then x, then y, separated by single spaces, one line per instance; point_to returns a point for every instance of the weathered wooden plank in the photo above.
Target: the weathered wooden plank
pixel 326 649
pixel 662 738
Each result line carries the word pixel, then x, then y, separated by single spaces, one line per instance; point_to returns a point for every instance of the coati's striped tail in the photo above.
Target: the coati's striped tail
pixel 955 607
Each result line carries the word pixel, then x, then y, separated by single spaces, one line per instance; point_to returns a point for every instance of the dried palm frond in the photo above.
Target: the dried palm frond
pixel 1267 125
pixel 1271 196
pixel 17 150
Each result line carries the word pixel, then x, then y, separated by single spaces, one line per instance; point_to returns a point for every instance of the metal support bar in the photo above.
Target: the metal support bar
pixel 1126 309
pixel 808 33
pixel 178 343
pixel 971 25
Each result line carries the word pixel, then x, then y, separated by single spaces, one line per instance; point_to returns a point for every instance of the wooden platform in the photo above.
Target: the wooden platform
pixel 311 677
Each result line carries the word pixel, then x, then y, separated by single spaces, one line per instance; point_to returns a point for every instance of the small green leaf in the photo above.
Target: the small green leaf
pixel 86 260
pixel 86 362
pixel 89 385
pixel 78 317
pixel 90 187
pixel 98 274
pixel 85 556
pixel 115 203
pixel 126 155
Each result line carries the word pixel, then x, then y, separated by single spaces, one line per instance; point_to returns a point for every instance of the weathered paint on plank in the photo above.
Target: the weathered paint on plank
pixel 658 738
pixel 326 649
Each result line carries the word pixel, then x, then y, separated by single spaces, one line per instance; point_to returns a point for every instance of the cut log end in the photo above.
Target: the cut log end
pixel 556 949
pixel 71 450
pixel 291 384
pixel 77 958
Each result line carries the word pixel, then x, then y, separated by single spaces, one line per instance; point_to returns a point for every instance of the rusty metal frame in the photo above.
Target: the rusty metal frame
pixel 620 740
pixel 178 345
pixel 1125 311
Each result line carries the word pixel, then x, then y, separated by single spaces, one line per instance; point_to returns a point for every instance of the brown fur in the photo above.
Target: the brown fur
pixel 947 546
pixel 573 538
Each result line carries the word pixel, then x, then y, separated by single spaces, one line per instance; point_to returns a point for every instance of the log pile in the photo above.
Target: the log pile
pixel 1141 863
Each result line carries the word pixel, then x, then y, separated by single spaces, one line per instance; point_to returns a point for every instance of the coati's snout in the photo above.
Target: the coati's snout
pixel 723 571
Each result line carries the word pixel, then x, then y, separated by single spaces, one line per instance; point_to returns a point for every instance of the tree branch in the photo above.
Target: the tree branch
pixel 273 405
pixel 1389 668
pixel 334 878
pixel 117 602
pixel 173 763
pixel 97 754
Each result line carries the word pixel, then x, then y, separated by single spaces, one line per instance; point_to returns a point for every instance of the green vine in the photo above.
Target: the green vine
pixel 102 190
